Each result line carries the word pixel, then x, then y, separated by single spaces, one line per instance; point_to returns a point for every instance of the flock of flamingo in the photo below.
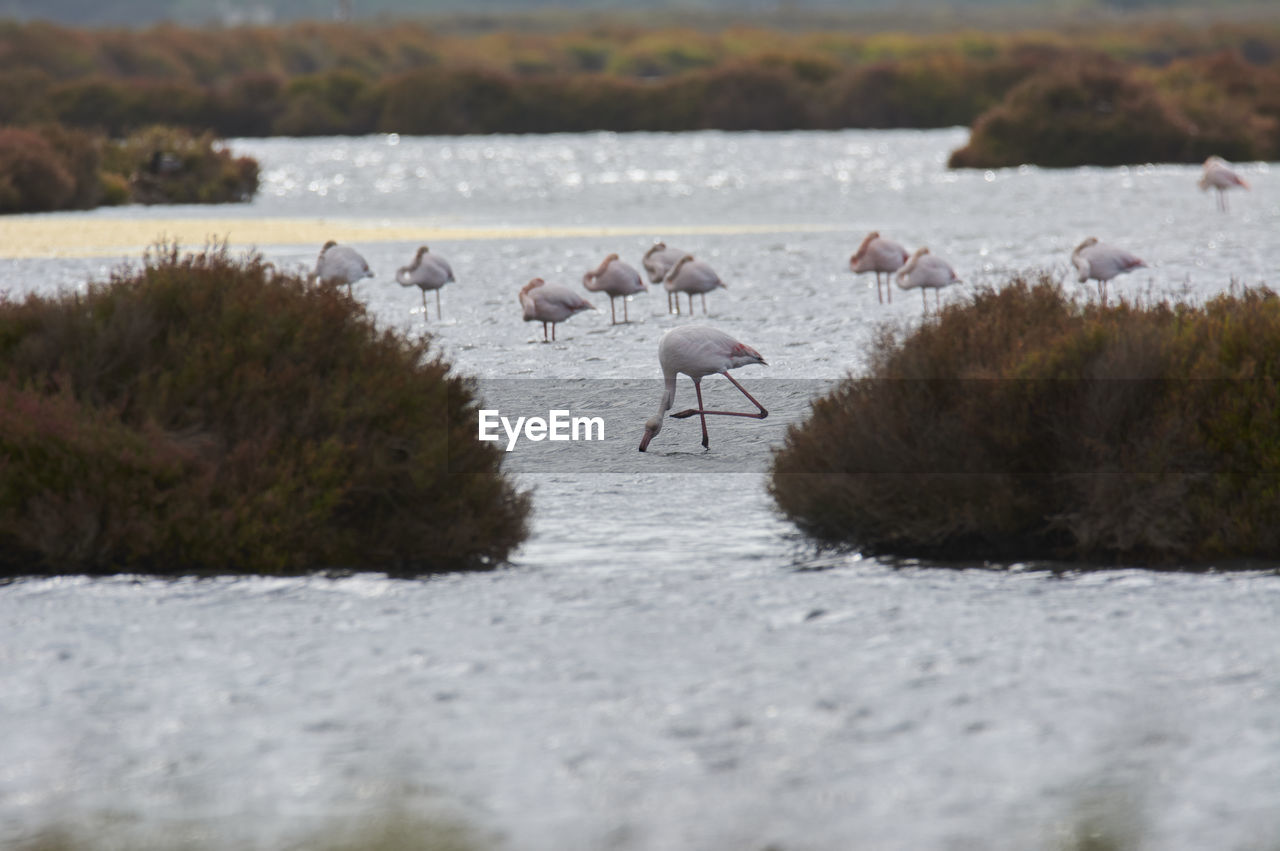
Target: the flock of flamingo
pixel 700 350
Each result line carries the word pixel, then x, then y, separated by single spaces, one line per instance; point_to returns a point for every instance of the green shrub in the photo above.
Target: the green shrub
pixel 1024 425
pixel 205 414
pixel 165 165
pixel 33 177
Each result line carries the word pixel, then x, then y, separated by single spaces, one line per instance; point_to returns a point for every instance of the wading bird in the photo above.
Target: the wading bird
pixel 699 351
pixel 1102 262
pixel 550 303
pixel 428 271
pixel 691 276
pixel 339 264
pixel 879 255
pixel 1219 175
pixel 617 279
pixel 924 270
pixel 658 261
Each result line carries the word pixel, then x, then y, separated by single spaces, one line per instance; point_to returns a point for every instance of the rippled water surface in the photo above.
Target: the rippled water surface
pixel 667 665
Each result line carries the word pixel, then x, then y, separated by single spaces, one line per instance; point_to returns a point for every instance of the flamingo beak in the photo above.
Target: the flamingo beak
pixel 644 441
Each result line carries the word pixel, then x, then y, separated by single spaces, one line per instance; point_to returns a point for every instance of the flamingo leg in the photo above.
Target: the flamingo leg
pixel 704 304
pixel 613 316
pixel 350 294
pixel 697 386
pixel 879 297
pixel 937 300
pixel 424 304
pixel 625 318
pixel 439 314
pixel 690 303
pixel 760 415
pixel 544 333
pixel 924 302
pixel 888 286
pixel 553 332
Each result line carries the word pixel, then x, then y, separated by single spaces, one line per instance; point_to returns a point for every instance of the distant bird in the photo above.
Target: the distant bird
pixel 691 276
pixel 428 271
pixel 924 270
pixel 1102 262
pixel 550 303
pixel 699 351
pixel 1219 175
pixel 658 261
pixel 338 265
pixel 879 255
pixel 617 279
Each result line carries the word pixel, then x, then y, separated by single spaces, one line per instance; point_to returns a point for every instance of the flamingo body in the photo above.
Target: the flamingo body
pixel 699 351
pixel 340 264
pixel 659 259
pixel 550 304
pixel 617 279
pixel 1102 262
pixel 924 270
pixel 879 255
pixel 428 272
pixel 693 277
pixel 1217 174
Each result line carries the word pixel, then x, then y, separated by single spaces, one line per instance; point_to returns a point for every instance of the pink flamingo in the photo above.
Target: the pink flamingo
pixel 338 265
pixel 924 270
pixel 658 261
pixel 879 255
pixel 617 279
pixel 428 272
pixel 691 276
pixel 1102 262
pixel 699 351
pixel 550 303
pixel 1219 175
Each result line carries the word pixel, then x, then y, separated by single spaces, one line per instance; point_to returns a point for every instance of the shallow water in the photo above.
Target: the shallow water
pixel 668 664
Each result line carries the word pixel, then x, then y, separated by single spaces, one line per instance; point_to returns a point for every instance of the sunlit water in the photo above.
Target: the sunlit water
pixel 668 665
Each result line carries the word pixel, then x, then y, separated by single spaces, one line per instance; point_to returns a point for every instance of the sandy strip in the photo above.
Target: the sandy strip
pixel 72 236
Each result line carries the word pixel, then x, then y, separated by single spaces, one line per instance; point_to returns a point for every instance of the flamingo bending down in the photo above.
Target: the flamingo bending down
pixel 699 351
pixel 339 264
pixel 428 271
pixel 1102 262
pixel 550 303
pixel 879 255
pixel 1219 175
pixel 617 279
pixel 691 276
pixel 658 261
pixel 924 270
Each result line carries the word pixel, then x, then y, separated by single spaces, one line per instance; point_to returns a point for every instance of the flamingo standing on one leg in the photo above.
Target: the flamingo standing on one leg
pixel 1102 262
pixel 924 270
pixel 879 255
pixel 617 279
pixel 340 264
pixel 1219 175
pixel 692 276
pixel 427 271
pixel 657 261
pixel 699 351
pixel 550 303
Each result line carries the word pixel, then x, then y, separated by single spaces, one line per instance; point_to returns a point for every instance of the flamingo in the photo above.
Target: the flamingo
pixel 879 255
pixel 617 279
pixel 691 276
pixel 550 303
pixel 1102 262
pixel 340 264
pixel 924 270
pixel 657 261
pixel 699 351
pixel 1219 175
pixel 428 271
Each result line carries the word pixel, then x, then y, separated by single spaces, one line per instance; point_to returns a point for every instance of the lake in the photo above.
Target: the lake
pixel 667 664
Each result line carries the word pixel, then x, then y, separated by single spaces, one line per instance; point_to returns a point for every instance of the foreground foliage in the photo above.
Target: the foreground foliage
pixel 205 414
pixel 52 167
pixel 1025 425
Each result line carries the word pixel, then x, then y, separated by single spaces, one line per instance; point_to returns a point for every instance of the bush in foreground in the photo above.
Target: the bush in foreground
pixel 1024 425
pixel 205 415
